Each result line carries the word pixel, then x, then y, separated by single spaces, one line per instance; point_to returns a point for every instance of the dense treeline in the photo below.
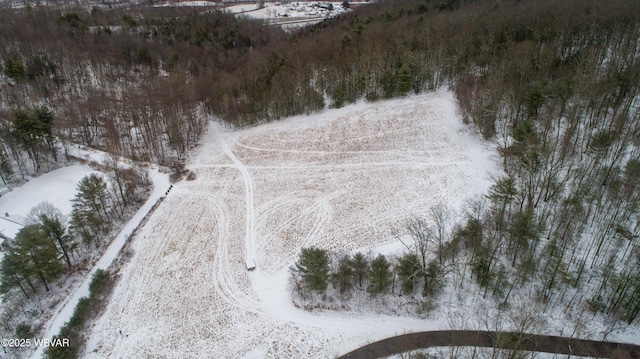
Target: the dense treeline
pixel 564 106
pixel 418 273
pixel 134 85
pixel 316 269
pixel 142 84
pixel 556 85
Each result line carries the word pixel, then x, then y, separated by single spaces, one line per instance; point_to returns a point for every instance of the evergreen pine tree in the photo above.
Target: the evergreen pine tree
pixel 360 266
pixel 39 255
pixel 404 79
pixel 342 278
pixel 379 275
pixel 313 266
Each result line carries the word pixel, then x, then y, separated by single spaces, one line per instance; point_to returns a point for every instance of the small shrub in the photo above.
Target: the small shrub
pixel 597 304
pixel 98 281
pixel 64 352
pixel 79 314
pixel 426 306
pixel 23 331
pixel 372 96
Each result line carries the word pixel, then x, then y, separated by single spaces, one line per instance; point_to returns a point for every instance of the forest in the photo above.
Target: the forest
pixel 553 83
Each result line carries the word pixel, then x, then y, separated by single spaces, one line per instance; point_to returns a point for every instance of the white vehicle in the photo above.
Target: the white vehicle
pixel 250 263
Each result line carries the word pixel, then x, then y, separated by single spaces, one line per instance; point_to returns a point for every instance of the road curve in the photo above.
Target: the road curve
pixel 502 340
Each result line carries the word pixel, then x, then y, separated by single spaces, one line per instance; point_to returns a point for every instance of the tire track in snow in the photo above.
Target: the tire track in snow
pixel 347 165
pixel 250 239
pixel 233 295
pixel 144 298
pixel 302 215
pixel 245 312
pixel 228 291
pixel 363 165
pixel 395 152
pixel 317 215
pixel 231 303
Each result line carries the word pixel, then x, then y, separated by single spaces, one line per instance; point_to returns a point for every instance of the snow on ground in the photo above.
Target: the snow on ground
pixel 292 10
pixel 189 4
pixel 339 179
pixel 57 187
pixel 65 310
pixel 236 9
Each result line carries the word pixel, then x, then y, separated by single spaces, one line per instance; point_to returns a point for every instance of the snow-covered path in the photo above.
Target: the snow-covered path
pixel 65 309
pixel 340 179
pixel 250 239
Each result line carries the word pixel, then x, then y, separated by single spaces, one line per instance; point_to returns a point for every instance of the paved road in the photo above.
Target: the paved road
pixel 503 340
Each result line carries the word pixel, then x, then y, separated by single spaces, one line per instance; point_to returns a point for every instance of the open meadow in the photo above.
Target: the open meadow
pixel 341 179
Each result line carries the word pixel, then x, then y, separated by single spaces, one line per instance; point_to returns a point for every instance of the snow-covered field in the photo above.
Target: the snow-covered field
pixel 297 10
pixel 57 187
pixel 340 179
pixel 189 4
pixel 289 16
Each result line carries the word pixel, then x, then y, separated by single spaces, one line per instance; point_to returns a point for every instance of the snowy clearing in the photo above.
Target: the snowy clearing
pixel 57 187
pixel 289 15
pixel 189 4
pixel 340 179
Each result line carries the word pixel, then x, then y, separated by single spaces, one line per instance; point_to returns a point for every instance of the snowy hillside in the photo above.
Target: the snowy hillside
pixel 340 179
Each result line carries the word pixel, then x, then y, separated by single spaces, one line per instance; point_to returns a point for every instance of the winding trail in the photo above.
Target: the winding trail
pixel 250 240
pixel 501 340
